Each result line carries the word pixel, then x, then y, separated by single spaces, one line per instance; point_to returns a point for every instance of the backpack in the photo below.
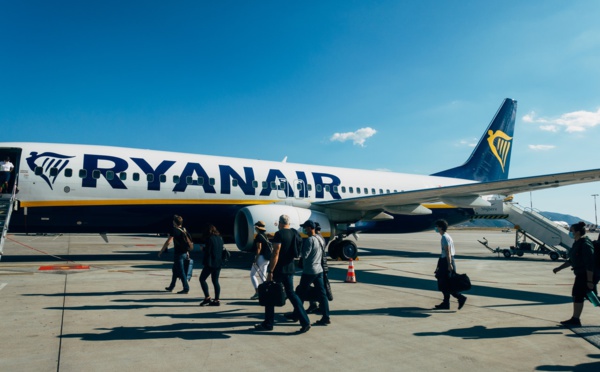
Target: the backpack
pixel 297 244
pixel 189 244
pixel 267 248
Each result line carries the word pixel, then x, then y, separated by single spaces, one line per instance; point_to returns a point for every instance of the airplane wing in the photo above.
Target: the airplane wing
pixel 459 195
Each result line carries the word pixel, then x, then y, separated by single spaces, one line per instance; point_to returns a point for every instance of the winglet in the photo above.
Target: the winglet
pixel 490 161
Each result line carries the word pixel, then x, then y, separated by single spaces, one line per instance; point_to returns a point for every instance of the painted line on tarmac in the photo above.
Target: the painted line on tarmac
pixel 2 285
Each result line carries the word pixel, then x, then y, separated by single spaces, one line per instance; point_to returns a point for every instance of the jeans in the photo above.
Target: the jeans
pixel 317 279
pixel 288 284
pixel 179 272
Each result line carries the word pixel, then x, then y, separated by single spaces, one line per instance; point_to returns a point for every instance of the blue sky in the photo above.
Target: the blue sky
pixel 407 86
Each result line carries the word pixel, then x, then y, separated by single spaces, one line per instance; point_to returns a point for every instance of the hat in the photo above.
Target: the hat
pixel 308 223
pixel 260 225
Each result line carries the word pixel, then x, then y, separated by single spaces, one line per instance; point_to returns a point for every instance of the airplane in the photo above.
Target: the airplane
pixel 69 188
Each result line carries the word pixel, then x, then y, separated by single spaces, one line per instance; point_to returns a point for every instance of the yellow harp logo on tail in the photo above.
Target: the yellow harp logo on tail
pixel 500 145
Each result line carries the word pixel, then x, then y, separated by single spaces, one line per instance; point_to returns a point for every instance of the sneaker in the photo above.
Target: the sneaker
pixel 262 327
pixel 461 302
pixel 304 329
pixel 291 317
pixel 312 308
pixel 443 306
pixel 184 291
pixel 323 322
pixel 573 322
pixel 168 289
pixel 215 303
pixel 205 302
pixel 255 297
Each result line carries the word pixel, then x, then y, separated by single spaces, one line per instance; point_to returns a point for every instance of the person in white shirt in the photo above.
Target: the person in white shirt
pixel 446 267
pixel 6 167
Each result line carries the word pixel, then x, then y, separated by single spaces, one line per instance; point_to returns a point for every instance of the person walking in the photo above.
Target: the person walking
pixel 581 259
pixel 446 267
pixel 180 254
pixel 281 269
pixel 312 272
pixel 313 306
pixel 6 167
pixel 262 247
pixel 212 261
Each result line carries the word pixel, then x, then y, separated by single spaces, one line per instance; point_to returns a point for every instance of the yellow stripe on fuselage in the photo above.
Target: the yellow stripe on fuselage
pixel 86 203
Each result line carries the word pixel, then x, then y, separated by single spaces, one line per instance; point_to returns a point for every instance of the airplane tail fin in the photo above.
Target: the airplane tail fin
pixel 490 160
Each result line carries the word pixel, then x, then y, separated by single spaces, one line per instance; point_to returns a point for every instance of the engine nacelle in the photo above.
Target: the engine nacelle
pixel 246 218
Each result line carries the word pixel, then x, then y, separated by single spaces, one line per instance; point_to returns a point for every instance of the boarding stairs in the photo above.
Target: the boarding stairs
pixel 530 223
pixel 6 207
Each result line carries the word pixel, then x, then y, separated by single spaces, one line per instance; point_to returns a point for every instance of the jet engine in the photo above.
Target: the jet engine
pixel 246 218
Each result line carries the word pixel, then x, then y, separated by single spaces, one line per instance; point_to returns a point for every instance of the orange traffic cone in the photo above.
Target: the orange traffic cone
pixel 351 277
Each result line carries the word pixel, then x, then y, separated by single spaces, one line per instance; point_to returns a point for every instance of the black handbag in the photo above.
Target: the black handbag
pixel 459 282
pixel 271 294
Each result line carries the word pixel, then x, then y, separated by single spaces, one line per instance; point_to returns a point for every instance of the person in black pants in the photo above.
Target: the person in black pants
pixel 281 269
pixel 212 261
pixel 180 255
pixel 446 267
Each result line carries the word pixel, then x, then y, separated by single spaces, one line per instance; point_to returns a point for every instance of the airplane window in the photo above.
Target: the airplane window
pixel 273 185
pixel 110 175
pixel 335 189
pixel 351 190
pixel 366 190
pixel 82 173
pixel 162 178
pixel 234 183
pixel 68 172
pixel 387 191
pixel 265 185
pixel 123 176
pixel 380 191
pixel 309 187
pixel 373 191
pixel 189 180
pixel 344 189
pixel 135 177
pixel 358 190
pixel 53 172
pixel 149 177
pixel 299 186
pixel 395 190
pixel 96 174
pixel 255 184
pixel 176 180
pixel 200 181
pixel 319 188
pixel 38 171
pixel 327 188
pixel 211 181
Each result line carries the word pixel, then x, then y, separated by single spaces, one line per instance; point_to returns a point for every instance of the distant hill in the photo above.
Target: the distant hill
pixel 504 223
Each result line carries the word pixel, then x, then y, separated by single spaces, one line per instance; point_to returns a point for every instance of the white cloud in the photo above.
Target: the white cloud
pixel 358 138
pixel 469 143
pixel 571 122
pixel 542 147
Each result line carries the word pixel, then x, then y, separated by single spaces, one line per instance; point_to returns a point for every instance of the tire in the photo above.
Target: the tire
pixel 506 253
pixel 520 254
pixel 348 250
pixel 554 256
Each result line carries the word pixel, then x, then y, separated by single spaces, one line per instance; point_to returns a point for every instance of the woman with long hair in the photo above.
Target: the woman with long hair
pixel 212 261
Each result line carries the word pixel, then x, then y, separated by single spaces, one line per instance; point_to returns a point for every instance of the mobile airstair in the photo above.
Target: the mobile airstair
pixel 545 235
pixel 6 206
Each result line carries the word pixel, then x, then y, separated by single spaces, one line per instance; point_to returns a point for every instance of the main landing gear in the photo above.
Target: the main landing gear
pixel 342 249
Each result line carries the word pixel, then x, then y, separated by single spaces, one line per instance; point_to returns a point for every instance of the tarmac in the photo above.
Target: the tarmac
pixel 74 302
